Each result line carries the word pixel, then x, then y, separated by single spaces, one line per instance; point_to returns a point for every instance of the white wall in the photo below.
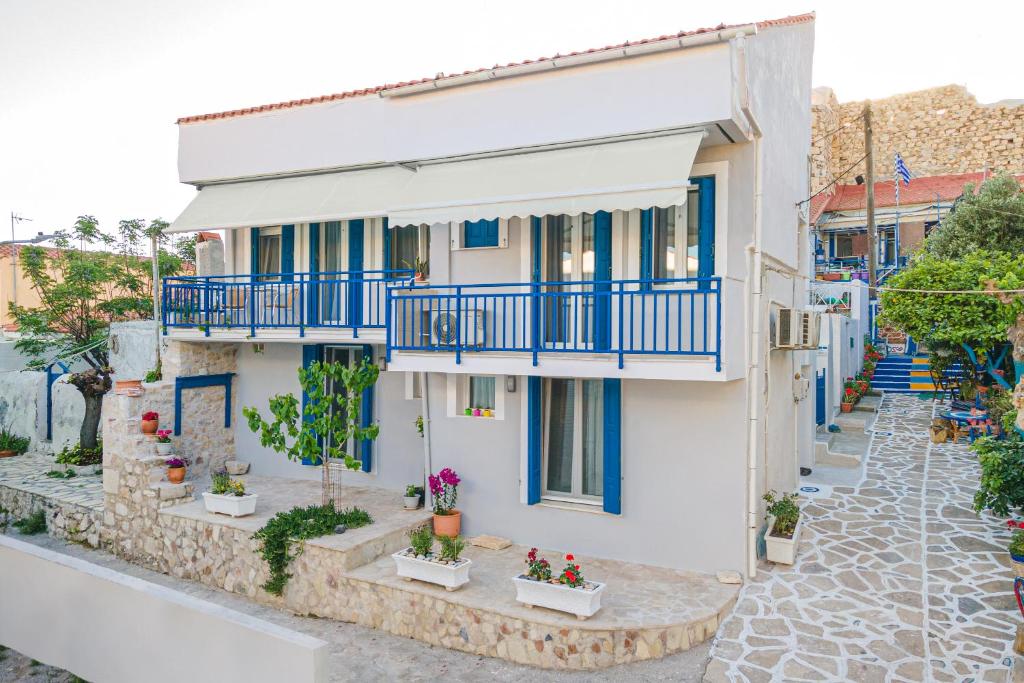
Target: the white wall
pixel 23 403
pixel 110 627
pixel 132 349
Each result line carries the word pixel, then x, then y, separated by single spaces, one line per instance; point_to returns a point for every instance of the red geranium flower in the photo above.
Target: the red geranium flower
pixel 569 557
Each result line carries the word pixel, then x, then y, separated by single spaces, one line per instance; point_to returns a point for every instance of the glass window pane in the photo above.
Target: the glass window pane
pixel 593 438
pixel 335 354
pixel 270 254
pixel 664 243
pixel 481 392
pixel 692 234
pixel 332 247
pixel 588 246
pixel 561 397
pixel 405 247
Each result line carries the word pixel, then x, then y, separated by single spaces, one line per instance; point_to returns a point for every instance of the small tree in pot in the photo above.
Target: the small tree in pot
pixel 783 535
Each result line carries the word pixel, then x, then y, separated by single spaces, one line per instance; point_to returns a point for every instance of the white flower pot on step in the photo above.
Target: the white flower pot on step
pixel 236 506
pixel 779 548
pixel 451 576
pixel 411 502
pixel 164 448
pixel 583 602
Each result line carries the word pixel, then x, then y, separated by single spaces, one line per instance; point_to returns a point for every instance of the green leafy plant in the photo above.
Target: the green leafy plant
pixel 9 441
pixel 80 455
pixel 537 567
pixel 1001 488
pixel 61 474
pixel 422 540
pixel 287 530
pixel 419 425
pixel 154 375
pixel 999 403
pixel 420 267
pixel 224 485
pixel 34 524
pixel 413 490
pixel 451 547
pixel 786 511
pixel 1016 545
pixel 572 575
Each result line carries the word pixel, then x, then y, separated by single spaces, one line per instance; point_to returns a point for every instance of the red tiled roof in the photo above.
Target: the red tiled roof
pixel 922 190
pixel 784 21
pixel 205 236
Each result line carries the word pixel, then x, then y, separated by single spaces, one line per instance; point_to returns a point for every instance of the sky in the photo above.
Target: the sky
pixel 90 91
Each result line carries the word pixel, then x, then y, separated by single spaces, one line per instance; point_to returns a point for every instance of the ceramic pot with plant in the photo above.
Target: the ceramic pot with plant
pixel 413 497
pixel 784 524
pixel 1016 547
pixel 11 444
pixel 568 592
pixel 444 488
pixel 227 496
pixel 419 561
pixel 175 470
pixel 150 422
pixel 163 442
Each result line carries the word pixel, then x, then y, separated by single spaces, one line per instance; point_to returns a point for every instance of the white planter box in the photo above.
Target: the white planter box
pixel 411 502
pixel 779 549
pixel 582 603
pixel 450 576
pixel 236 506
pixel 164 448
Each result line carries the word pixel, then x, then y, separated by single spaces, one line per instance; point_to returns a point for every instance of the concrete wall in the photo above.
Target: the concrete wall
pixel 106 626
pixel 132 349
pixel 68 413
pixel 23 404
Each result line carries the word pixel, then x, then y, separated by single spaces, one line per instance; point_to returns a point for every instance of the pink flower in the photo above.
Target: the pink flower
pixel 448 476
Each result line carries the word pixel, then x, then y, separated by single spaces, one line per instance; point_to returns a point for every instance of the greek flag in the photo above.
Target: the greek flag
pixel 900 172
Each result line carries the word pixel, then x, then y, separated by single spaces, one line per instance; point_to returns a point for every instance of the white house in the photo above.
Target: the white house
pixel 612 237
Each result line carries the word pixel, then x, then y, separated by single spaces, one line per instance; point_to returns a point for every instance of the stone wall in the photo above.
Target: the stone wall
pixel 66 520
pixel 937 131
pixel 133 349
pixel 68 413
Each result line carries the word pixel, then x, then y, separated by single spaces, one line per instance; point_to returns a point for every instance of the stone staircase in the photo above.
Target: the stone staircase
pixel 903 375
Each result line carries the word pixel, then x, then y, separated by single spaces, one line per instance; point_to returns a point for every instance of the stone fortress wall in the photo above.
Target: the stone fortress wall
pixel 938 131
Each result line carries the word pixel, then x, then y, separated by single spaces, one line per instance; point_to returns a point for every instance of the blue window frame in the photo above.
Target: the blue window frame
pixel 481 233
pixel 679 242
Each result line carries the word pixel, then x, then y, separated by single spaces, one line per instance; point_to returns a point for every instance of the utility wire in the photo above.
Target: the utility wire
pixel 832 132
pixel 834 180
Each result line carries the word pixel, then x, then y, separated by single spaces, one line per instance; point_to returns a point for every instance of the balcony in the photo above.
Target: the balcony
pixel 280 306
pixel 577 328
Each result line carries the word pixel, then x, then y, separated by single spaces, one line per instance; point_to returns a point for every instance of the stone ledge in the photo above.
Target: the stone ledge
pixel 165 490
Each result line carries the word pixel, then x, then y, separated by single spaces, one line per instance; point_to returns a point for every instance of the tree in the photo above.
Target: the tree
pixel 328 421
pixel 82 291
pixel 991 220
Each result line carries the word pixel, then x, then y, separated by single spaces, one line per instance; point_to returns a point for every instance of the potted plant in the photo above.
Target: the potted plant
pixel 784 524
pixel 150 422
pixel 849 398
pixel 447 568
pixel 413 497
pixel 1016 547
pixel 444 489
pixel 128 387
pixel 419 267
pixel 163 441
pixel 227 496
pixel 176 469
pixel 11 444
pixel 569 592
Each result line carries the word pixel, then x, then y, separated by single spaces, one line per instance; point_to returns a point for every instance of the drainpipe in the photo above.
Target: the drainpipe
pixel 427 468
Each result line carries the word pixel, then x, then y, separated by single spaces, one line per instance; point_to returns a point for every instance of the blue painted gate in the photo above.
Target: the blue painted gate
pixel 819 398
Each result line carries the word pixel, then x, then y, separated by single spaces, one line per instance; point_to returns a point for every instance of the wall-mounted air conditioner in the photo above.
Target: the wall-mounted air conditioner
pixel 797 329
pixel 443 329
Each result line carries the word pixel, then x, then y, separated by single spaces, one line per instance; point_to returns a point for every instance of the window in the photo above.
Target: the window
pixel 843 245
pixel 351 357
pixel 573 438
pixel 887 246
pixel 481 392
pixel 269 252
pixel 481 233
pixel 409 244
pixel 676 239
pixel 468 394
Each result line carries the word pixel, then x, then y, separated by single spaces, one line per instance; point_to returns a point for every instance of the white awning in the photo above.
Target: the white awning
pixel 635 174
pixel 303 199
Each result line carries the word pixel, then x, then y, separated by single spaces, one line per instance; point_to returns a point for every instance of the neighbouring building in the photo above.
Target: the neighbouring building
pixel 610 242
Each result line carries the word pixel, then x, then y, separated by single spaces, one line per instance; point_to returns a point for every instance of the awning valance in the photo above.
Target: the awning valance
pixel 634 174
pixel 602 177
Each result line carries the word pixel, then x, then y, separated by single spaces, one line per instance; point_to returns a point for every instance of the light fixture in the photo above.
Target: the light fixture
pixel 510 384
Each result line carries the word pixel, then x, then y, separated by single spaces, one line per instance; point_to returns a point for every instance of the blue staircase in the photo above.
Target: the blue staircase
pixel 906 375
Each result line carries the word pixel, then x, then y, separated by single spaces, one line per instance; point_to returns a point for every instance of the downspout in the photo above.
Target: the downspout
pixel 427 467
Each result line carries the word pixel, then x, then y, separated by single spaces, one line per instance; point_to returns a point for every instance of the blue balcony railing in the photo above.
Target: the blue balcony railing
pixel 679 317
pixel 343 300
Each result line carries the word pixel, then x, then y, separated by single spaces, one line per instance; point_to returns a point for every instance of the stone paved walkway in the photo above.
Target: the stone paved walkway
pixel 28 473
pixel 897 579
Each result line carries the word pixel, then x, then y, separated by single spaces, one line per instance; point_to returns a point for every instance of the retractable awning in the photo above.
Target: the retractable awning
pixel 303 199
pixel 634 174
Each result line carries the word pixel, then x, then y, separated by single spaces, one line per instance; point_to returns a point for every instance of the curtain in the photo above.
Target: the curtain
pixel 481 392
pixel 593 438
pixel 561 398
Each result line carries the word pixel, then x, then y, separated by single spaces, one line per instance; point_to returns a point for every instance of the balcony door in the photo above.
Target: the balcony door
pixel 341 255
pixel 575 252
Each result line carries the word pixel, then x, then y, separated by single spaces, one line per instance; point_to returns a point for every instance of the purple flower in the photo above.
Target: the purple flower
pixel 435 485
pixel 443 488
pixel 449 477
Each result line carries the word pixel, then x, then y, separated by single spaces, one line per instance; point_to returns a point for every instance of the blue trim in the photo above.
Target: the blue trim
pixel 534 430
pixel 310 353
pixel 366 416
pixel 613 446
pixel 196 382
pixel 313 293
pixel 355 265
pixel 254 250
pixel 287 253
pixel 706 229
pixel 481 233
pixel 819 398
pixel 602 274
pixel 52 377
pixel 646 240
pixel 536 223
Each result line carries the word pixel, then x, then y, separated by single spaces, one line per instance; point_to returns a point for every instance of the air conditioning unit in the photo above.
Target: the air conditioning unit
pixel 797 329
pixel 443 329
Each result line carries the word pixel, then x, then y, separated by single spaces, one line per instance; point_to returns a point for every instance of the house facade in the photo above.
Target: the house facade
pixel 572 268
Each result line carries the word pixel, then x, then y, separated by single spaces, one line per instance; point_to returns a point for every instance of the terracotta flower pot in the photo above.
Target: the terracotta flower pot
pixel 175 475
pixel 846 407
pixel 128 387
pixel 150 426
pixel 448 525
pixel 8 454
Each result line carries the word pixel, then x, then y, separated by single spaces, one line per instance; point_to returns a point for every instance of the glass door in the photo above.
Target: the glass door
pixel 333 257
pixel 576 250
pixel 349 357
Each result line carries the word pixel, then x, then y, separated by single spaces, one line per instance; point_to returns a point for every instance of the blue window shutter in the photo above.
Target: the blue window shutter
pixel 481 233
pixel 287 252
pixel 602 271
pixel 535 303
pixel 706 229
pixel 533 449
pixel 312 294
pixel 310 353
pixel 386 241
pixel 254 249
pixel 646 239
pixel 366 417
pixel 613 446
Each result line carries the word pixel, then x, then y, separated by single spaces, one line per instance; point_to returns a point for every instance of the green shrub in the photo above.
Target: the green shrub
pixel 60 474
pixel 224 485
pixel 999 403
pixel 422 540
pixel 9 441
pixel 33 524
pixel 1016 546
pixel 294 526
pixel 76 455
pixel 451 547
pixel 786 511
pixel 1001 488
